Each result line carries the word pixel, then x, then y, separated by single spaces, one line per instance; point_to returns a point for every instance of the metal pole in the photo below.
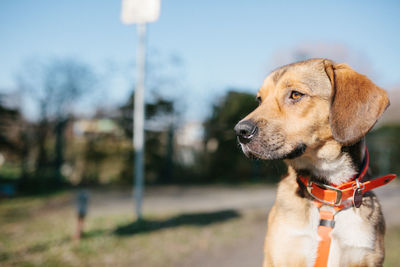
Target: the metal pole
pixel 139 114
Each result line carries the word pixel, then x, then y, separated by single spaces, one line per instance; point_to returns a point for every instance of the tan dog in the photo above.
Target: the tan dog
pixel 314 114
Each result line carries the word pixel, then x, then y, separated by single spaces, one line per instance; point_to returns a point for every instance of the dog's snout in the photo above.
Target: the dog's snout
pixel 245 130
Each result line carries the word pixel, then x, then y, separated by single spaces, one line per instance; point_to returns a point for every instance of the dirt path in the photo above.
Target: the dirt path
pixel 181 199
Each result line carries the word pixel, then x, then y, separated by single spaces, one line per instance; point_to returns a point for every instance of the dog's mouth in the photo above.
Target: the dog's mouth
pixel 251 154
pixel 277 151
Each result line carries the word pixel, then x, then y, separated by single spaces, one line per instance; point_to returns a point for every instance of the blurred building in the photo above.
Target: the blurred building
pixel 189 141
pixel 101 126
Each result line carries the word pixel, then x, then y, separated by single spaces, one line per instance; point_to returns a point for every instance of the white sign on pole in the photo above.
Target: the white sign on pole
pixel 140 11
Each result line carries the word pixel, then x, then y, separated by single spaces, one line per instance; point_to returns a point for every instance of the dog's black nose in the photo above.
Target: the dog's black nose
pixel 245 130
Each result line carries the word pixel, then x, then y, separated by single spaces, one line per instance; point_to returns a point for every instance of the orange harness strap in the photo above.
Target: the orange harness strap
pixel 325 227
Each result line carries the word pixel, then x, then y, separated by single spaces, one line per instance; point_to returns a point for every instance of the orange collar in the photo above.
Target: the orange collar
pixel 337 195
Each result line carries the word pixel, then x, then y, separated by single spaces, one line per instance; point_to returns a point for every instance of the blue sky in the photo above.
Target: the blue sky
pixel 222 43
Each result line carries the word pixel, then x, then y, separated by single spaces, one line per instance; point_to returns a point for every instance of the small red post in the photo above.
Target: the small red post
pixel 82 204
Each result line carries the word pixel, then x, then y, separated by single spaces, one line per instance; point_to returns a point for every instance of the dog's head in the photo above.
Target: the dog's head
pixel 305 105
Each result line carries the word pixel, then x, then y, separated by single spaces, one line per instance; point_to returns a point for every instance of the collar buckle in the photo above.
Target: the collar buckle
pixel 338 199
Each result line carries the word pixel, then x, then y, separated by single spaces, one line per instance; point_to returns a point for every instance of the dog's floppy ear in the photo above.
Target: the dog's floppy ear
pixel 357 103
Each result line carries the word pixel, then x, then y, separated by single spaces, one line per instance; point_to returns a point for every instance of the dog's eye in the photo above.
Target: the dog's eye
pixel 259 100
pixel 295 95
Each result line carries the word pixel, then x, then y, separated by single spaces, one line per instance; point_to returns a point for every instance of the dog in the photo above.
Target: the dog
pixel 314 114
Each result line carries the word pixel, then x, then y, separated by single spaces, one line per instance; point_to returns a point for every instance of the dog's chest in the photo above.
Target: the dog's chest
pixel 352 238
pixel 352 231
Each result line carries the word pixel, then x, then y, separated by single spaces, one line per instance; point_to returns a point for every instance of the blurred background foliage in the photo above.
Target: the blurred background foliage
pixel 384 148
pixel 64 148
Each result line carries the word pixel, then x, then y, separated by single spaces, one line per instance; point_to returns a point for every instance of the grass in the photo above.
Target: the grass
pixel 392 245
pixel 11 171
pixel 37 231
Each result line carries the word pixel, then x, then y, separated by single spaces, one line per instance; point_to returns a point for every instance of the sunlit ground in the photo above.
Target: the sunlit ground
pixel 37 231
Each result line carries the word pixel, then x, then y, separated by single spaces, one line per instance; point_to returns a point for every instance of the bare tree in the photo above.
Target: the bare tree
pixel 54 88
